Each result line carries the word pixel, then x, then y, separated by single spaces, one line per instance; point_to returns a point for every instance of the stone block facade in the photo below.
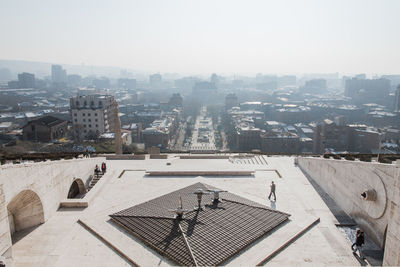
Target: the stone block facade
pixel 346 181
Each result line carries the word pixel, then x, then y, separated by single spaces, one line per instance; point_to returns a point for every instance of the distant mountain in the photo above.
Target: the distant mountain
pixel 42 69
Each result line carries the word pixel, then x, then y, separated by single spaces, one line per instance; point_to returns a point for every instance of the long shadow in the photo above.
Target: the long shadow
pixel 361 261
pixel 17 236
pixel 339 214
pixel 192 223
pixel 174 233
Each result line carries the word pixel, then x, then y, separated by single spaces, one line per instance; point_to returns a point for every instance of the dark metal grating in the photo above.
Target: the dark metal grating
pixel 213 235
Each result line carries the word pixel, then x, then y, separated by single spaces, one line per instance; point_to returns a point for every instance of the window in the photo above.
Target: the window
pixel 75 114
pixel 84 125
pixel 84 120
pixel 89 120
pixel 95 120
pixel 84 131
pixel 85 103
pixel 88 114
pixel 97 125
pixel 76 120
pixel 100 103
pixel 90 126
pixel 92 103
pixel 77 103
pixel 83 114
pixel 95 114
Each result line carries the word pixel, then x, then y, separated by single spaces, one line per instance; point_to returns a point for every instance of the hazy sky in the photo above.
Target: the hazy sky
pixel 223 36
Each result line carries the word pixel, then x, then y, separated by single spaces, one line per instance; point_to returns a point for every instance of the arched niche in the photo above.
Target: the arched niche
pixel 25 211
pixel 77 188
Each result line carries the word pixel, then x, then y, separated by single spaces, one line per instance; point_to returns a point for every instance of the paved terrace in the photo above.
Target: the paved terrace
pixel 62 241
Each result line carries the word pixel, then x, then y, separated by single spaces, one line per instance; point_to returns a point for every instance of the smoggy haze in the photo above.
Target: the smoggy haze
pixel 206 36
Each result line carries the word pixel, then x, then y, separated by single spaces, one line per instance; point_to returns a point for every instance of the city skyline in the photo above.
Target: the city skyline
pixel 290 37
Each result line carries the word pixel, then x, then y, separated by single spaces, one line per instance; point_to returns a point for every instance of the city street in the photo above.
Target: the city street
pixel 203 134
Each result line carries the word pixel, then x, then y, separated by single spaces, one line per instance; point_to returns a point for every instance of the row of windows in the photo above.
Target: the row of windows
pixel 84 114
pixel 84 120
pixel 91 103
pixel 90 126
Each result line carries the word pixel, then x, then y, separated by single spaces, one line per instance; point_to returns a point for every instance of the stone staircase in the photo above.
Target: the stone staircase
pixel 254 160
pixel 94 180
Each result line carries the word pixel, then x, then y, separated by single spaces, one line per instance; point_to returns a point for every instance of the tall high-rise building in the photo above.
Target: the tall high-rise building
pixel 92 115
pixel 26 80
pixel 397 100
pixel 176 100
pixel 231 101
pixel 58 75
pixel 155 81
pixel 367 90
pixel 316 86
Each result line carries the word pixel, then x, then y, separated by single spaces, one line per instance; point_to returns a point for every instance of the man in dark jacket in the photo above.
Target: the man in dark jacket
pixel 359 243
pixel 272 191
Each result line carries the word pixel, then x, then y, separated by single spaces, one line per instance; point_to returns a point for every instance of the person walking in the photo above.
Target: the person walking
pixel 273 187
pixel 354 244
pixel 359 243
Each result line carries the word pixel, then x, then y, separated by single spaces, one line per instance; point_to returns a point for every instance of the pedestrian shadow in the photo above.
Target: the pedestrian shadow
pixel 360 260
pixel 272 204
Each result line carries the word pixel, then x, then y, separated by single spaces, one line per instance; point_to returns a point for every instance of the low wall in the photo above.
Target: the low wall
pixel 158 156
pixel 345 181
pixel 204 157
pixel 199 173
pixel 118 157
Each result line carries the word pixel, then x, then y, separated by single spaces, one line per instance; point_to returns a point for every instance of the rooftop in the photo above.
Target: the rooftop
pixel 202 237
pixel 227 232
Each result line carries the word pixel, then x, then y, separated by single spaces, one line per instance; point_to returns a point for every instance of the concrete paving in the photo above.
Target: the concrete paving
pixel 61 241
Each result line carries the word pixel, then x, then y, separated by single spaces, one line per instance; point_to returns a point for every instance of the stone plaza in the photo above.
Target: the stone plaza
pixel 40 226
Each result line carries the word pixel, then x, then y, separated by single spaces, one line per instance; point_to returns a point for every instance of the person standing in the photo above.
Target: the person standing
pixel 359 244
pixel 103 168
pixel 273 187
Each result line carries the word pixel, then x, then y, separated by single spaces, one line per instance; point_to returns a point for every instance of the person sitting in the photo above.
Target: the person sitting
pixel 96 170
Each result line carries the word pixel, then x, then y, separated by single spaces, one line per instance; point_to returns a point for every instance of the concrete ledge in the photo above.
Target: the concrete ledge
pixel 199 173
pixel 204 157
pixel 154 156
pixel 108 243
pixel 288 242
pixel 74 203
pixel 119 157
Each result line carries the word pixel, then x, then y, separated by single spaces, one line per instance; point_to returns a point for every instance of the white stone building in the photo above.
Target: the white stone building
pixel 92 115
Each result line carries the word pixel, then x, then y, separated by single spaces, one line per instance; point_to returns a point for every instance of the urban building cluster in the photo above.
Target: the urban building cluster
pixel 314 113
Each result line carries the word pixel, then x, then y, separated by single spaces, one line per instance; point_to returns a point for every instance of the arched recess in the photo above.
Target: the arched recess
pixel 77 188
pixel 24 211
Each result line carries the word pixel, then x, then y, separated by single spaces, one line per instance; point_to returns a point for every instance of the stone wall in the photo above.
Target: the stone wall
pixel 5 237
pixel 392 247
pixel 50 180
pixel 345 181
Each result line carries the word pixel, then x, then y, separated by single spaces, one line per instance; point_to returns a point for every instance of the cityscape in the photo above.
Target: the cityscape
pixel 199 133
pixel 272 114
